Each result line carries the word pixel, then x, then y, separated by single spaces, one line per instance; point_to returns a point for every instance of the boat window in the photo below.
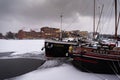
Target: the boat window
pixel 100 51
pixel 116 48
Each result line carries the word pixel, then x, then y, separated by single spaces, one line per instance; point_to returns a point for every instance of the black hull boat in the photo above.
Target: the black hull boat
pixel 97 60
pixel 57 48
pixel 12 67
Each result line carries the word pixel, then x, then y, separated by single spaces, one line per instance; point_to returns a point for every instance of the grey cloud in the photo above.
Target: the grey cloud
pixel 53 8
pixel 34 11
pixel 50 10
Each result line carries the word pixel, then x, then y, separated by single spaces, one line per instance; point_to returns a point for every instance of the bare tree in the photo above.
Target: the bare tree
pixel 1 36
pixel 10 35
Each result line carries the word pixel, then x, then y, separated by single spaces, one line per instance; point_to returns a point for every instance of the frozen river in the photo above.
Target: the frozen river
pixel 51 69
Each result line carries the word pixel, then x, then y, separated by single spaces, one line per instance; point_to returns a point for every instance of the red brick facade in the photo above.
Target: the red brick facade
pixel 45 32
pixel 49 33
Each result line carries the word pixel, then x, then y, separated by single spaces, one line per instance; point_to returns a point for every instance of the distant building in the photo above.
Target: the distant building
pixel 46 32
pixel 77 33
pixel 84 33
pixel 49 33
pixel 28 35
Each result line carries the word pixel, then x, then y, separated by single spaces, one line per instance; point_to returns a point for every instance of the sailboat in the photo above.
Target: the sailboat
pixel 99 58
pixel 95 58
pixel 57 48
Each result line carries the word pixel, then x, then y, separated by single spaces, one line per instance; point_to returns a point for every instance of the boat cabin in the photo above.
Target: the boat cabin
pixel 57 48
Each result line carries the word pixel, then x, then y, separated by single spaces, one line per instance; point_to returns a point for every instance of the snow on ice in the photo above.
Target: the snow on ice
pixel 21 46
pixel 51 69
pixel 63 72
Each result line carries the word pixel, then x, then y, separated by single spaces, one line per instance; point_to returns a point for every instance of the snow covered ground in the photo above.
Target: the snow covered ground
pixel 21 46
pixel 51 69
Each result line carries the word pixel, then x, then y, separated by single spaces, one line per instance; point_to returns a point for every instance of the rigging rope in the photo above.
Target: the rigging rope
pixel 112 67
pixel 100 18
pixel 92 72
pixel 108 15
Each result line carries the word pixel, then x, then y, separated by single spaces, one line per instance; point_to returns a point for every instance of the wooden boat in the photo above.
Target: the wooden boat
pixel 100 58
pixel 97 59
pixel 57 48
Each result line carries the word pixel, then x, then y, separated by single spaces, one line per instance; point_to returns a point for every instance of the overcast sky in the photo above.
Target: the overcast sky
pixel 77 15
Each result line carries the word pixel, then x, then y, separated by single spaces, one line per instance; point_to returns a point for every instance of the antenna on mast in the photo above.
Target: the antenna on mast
pixel 116 27
pixel 94 22
pixel 61 16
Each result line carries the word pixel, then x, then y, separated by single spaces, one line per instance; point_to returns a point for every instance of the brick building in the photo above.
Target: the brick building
pixel 28 34
pixel 46 33
pixel 49 33
pixel 84 33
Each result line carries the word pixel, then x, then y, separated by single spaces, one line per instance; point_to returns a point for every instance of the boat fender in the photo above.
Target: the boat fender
pixel 66 54
pixel 70 50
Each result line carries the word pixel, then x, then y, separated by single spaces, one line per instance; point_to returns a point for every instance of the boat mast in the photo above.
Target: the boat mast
pixel 94 22
pixel 61 27
pixel 116 27
pixel 118 20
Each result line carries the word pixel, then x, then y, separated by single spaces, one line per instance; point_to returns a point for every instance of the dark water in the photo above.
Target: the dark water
pixel 3 54
pixel 17 66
